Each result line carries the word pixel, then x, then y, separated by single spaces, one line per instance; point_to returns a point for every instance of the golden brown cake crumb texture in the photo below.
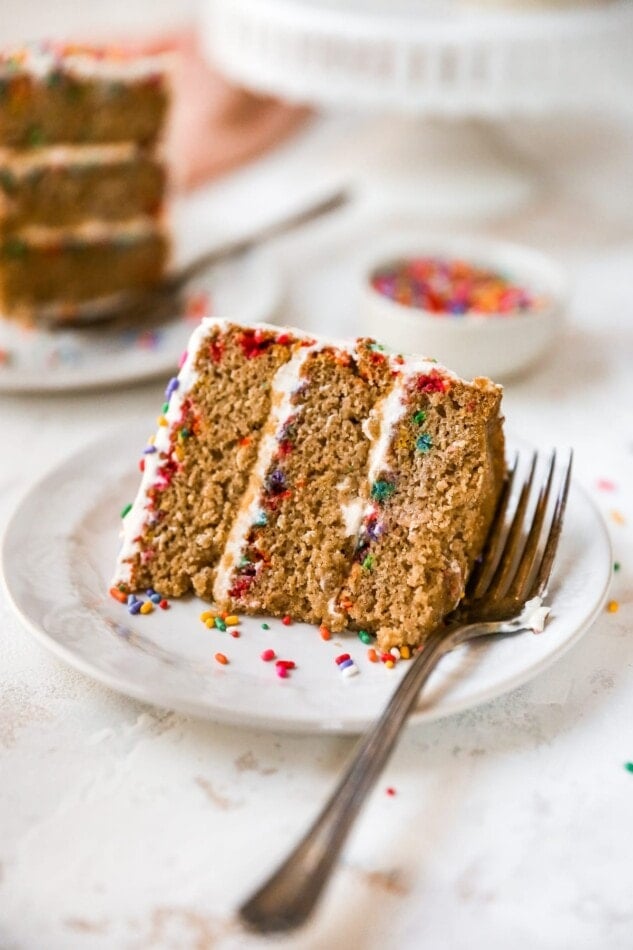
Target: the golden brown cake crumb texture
pixel 214 445
pixel 432 507
pixel 80 109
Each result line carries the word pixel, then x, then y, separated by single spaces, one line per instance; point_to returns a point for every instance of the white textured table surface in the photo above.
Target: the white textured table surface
pixel 123 826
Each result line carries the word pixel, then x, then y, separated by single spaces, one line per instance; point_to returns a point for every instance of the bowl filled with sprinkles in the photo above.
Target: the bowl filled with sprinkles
pixel 479 306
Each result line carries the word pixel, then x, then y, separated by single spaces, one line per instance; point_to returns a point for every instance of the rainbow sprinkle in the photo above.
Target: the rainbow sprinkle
pixel 381 490
pixel 346 665
pixel 452 287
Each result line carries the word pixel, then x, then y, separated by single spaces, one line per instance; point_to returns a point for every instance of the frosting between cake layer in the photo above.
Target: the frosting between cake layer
pixel 21 162
pixel 352 513
pixel 89 232
pixel 285 384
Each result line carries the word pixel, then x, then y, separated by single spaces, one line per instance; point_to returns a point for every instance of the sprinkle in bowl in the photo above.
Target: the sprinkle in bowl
pixel 482 307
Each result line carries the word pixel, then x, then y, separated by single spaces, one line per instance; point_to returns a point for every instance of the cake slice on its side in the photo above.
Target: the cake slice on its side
pixel 327 481
pixel 198 465
pixel 68 184
pixel 290 549
pixel 55 93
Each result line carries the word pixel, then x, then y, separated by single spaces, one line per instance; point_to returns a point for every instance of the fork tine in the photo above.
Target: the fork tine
pixel 482 571
pixel 519 585
pixel 540 582
pixel 500 578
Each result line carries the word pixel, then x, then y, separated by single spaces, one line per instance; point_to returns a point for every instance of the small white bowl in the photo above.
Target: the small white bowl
pixel 495 345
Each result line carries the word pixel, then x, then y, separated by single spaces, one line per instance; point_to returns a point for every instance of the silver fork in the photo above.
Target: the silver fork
pixel 514 569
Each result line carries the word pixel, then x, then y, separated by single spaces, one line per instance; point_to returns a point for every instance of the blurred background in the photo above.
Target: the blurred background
pixel 511 120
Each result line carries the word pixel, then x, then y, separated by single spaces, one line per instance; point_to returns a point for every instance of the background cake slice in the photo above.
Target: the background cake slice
pixel 82 182
pixel 328 481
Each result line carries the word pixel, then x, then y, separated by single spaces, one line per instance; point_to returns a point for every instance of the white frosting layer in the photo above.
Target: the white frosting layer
pixel 285 383
pixel 534 615
pixel 91 231
pixel 352 513
pixel 39 60
pixel 389 411
pixel 21 162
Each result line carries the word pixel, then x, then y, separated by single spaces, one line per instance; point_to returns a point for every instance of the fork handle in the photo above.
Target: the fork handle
pixel 287 898
pixel 233 248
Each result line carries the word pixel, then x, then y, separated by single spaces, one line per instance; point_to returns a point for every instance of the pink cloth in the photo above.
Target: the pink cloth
pixel 216 126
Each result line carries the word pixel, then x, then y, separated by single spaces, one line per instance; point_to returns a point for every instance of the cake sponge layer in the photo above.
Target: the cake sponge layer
pixel 63 186
pixel 40 266
pixel 58 94
pixel 198 465
pixel 328 481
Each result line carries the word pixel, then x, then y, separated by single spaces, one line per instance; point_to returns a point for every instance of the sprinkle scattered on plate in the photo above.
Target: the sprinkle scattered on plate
pixel 58 560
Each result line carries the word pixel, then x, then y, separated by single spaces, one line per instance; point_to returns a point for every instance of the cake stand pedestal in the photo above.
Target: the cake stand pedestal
pixel 438 80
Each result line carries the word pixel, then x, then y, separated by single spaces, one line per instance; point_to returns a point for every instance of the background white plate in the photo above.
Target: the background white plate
pixel 58 557
pixel 47 360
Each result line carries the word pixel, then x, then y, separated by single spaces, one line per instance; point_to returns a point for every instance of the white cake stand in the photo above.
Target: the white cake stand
pixel 438 78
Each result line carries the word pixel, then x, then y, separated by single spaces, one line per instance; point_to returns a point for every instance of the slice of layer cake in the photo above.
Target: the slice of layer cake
pixel 82 182
pixel 64 185
pixel 54 93
pixel 328 481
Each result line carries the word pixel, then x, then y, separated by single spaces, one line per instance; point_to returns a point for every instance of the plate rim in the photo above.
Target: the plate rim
pixel 329 725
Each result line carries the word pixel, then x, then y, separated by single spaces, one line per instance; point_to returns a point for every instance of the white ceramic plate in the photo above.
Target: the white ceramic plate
pixel 43 360
pixel 57 560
